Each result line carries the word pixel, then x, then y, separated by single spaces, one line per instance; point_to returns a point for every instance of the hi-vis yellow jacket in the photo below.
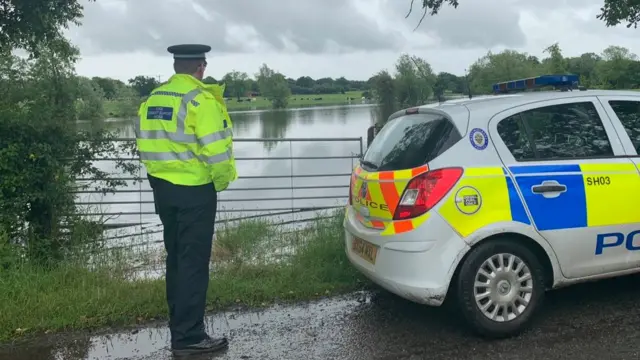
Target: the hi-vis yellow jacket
pixel 184 134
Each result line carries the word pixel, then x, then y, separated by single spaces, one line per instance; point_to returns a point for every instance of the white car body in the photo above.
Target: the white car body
pixel 564 228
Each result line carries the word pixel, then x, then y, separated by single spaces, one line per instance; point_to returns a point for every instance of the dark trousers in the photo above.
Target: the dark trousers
pixel 188 216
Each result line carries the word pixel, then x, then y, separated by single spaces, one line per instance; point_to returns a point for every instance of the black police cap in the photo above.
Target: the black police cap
pixel 189 51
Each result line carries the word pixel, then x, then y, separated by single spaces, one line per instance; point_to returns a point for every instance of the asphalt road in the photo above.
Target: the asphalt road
pixel 592 321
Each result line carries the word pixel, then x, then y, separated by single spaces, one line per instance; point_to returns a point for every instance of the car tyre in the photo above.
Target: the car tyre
pixel 514 302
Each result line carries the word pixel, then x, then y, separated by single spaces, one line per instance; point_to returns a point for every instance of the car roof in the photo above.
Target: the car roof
pixel 498 103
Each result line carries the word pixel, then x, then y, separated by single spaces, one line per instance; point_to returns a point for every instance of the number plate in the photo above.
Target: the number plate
pixel 365 250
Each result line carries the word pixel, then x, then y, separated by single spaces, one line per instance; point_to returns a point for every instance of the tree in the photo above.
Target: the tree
pixel 612 13
pixel 144 85
pixel 273 86
pixel 384 89
pixel 613 72
pixel 503 66
pixel 46 152
pixel 414 81
pixel 584 66
pixel 90 99
pixel 109 87
pixel 237 83
pixel 305 82
pixel 555 64
pixel 209 80
pixel 27 24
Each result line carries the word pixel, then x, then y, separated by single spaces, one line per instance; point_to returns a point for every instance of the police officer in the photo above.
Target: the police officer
pixel 372 131
pixel 184 138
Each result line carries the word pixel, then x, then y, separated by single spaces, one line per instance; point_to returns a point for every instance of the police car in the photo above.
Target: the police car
pixel 491 201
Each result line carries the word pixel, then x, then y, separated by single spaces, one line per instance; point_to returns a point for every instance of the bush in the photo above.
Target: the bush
pixel 44 154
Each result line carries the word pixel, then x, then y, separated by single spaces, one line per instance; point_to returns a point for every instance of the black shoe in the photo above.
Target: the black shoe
pixel 206 346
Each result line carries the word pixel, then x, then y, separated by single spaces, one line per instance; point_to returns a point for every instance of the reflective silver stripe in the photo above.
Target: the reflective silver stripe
pixel 218 135
pixel 182 113
pixel 161 134
pixel 214 159
pixel 166 156
pixel 179 135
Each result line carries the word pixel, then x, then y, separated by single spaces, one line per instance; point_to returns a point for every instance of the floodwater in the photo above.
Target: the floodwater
pixel 591 321
pixel 276 177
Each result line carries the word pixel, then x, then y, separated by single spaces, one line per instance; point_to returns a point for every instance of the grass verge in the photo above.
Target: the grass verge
pixel 250 269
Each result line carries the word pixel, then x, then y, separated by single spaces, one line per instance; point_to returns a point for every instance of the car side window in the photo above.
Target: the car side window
pixel 559 132
pixel 512 132
pixel 629 114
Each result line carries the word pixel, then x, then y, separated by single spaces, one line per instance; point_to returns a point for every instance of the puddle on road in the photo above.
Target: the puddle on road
pixel 590 321
pixel 248 328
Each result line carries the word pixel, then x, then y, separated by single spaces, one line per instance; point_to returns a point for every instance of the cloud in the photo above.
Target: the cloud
pixel 474 24
pixel 231 26
pixel 351 38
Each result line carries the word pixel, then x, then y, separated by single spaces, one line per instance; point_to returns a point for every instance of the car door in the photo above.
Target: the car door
pixel 578 185
pixel 624 111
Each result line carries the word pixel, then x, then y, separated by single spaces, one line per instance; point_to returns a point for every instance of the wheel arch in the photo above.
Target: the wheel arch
pixel 543 253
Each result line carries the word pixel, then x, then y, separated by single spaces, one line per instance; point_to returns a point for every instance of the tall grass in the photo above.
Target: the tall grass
pixel 254 263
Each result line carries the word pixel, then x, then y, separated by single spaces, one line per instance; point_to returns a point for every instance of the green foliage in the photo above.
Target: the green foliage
pixel 615 12
pixel 414 81
pixel 209 80
pixel 506 65
pixel 90 101
pixel 28 24
pixel 237 83
pixel 111 88
pixel 273 86
pixel 555 63
pixel 615 68
pixel 45 152
pixel 384 89
pixel 413 84
pixel 144 85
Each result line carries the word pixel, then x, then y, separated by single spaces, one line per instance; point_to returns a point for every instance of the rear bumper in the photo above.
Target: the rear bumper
pixel 417 265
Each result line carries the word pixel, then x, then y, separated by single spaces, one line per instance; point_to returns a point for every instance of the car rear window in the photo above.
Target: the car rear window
pixel 410 141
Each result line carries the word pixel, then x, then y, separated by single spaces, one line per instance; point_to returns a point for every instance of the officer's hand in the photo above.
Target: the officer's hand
pixel 222 187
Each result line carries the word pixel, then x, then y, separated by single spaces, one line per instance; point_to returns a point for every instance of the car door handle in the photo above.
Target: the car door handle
pixel 547 188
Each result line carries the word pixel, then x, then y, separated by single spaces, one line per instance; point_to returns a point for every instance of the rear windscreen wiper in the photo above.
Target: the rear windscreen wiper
pixel 369 164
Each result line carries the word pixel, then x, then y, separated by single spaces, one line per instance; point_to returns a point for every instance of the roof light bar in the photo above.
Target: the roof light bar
pixel 561 82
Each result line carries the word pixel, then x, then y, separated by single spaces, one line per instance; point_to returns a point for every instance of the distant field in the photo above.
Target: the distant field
pixel 123 108
pixel 298 100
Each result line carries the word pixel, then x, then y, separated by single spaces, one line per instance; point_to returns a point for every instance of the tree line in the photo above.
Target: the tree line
pixel 413 83
pixel 412 80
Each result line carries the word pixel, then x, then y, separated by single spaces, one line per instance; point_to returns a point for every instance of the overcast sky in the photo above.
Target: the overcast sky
pixel 330 38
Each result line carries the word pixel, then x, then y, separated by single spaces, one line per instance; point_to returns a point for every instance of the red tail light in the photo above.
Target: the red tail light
pixel 425 191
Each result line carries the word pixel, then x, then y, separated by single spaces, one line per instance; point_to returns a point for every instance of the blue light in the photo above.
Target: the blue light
pixel 568 81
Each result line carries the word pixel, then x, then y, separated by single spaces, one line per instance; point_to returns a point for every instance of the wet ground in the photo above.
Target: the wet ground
pixel 591 321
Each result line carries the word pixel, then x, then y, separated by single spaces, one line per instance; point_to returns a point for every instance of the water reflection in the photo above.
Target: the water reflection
pixel 286 178
pixel 274 124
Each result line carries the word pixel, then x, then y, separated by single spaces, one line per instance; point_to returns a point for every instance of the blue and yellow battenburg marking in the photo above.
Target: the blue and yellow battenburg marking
pixel 500 201
pixel 597 194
